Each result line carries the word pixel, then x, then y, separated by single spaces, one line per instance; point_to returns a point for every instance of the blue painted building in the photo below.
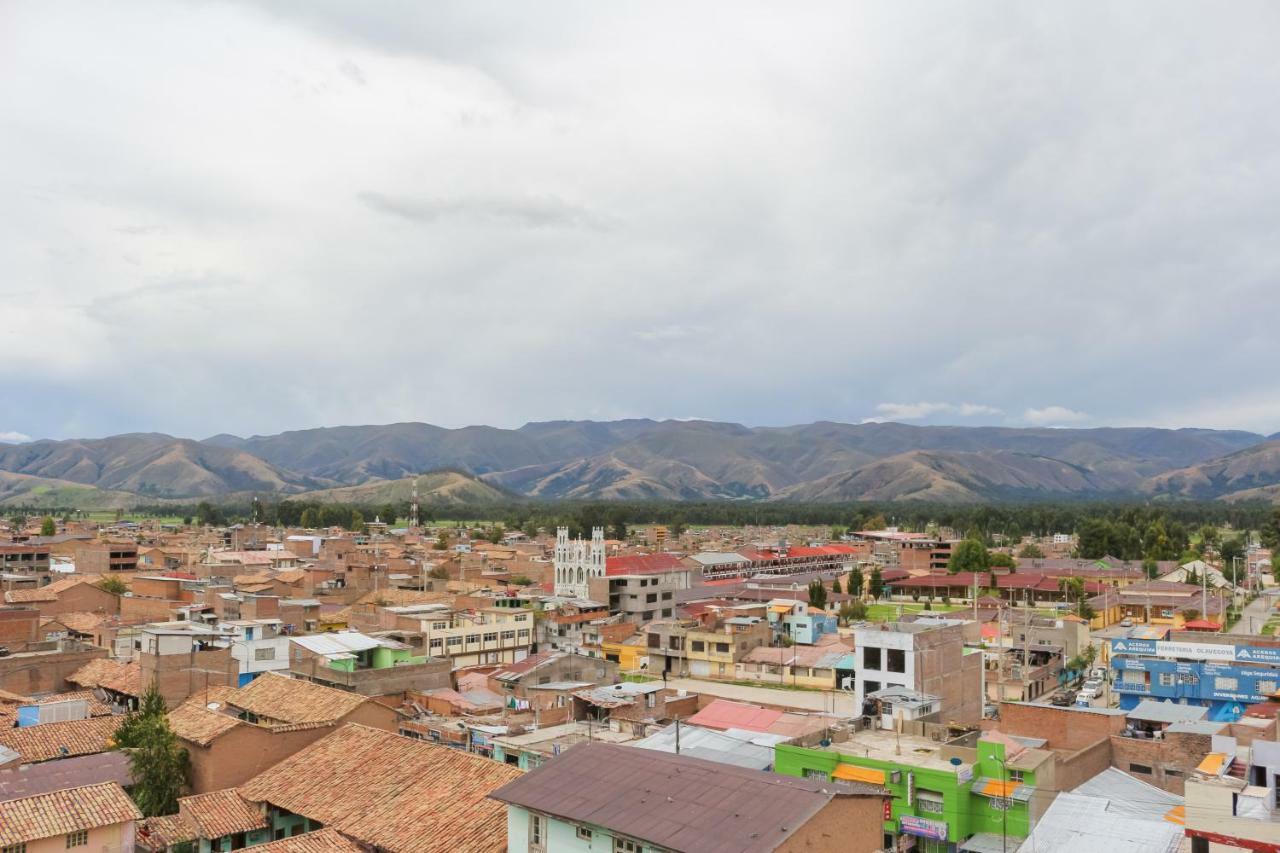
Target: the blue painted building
pixel 1224 677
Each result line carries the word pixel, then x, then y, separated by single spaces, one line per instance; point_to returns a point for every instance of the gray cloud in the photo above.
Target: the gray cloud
pixel 470 213
pixel 534 212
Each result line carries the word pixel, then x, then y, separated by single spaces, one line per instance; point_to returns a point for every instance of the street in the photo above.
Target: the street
pixel 1254 616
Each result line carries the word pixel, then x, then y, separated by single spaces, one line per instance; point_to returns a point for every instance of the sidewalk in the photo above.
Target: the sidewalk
pixel 804 700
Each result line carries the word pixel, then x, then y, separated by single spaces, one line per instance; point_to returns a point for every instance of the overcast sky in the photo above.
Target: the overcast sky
pixel 250 217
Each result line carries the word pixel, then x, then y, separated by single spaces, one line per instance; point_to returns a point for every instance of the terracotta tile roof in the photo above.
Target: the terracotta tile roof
pixel 46 742
pixel 291 575
pixel 114 675
pixel 320 841
pixel 158 833
pixel 400 794
pixel 193 721
pixel 82 622
pixel 46 593
pixel 220 813
pixel 61 812
pixel 279 699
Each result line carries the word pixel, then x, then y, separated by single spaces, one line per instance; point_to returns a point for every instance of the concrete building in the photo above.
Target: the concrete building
pixel 688 648
pixel 944 794
pixel 927 656
pixel 25 561
pixel 1233 798
pixel 1197 669
pixel 640 587
pixel 368 665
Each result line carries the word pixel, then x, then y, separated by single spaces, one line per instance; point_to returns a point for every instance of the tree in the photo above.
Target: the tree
pixel 1072 589
pixel 1269 533
pixel 310 518
pixel 999 559
pixel 496 533
pixel 158 764
pixel 852 611
pixel 440 573
pixel 817 595
pixel 835 587
pixel 356 522
pixel 877 584
pixel 442 543
pixel 1150 568
pixel 1030 551
pixel 1232 552
pixel 876 522
pixel 969 556
pixel 48 527
pixel 854 584
pixel 521 580
pixel 113 585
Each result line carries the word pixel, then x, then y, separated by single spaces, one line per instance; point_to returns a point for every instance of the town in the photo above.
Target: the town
pixel 414 686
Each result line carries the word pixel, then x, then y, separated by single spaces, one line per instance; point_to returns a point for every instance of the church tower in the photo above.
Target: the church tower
pixel 577 561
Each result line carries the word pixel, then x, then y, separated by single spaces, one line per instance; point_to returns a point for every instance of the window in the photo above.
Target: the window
pixel 870 687
pixel 626 845
pixel 870 658
pixel 264 654
pixel 79 838
pixel 896 660
pixel 491 638
pixel 697 645
pixel 1015 776
pixel 508 635
pixel 651 598
pixel 1266 688
pixel 437 643
pixel 473 638
pixel 930 802
pixel 537 832
pixel 524 633
pixel 666 612
pixel 15 848
pixel 820 775
pixel 584 834
pixel 1225 683
pixel 1173 774
pixel 454 641
pixel 1168 679
pixel 1140 768
pixel 722 648
pixel 666 596
pixel 1133 676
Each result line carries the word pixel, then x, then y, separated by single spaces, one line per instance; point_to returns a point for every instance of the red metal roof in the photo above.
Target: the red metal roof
pixel 643 564
pixel 723 714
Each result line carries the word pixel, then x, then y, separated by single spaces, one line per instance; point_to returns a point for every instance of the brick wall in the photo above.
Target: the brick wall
pixel 19 626
pixel 43 672
pixel 181 675
pixel 1062 728
pixel 1170 760
pixel 137 611
pixel 1076 768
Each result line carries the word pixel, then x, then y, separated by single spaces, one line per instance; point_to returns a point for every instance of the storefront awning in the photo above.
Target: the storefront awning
pixel 989 842
pixel 850 773
pixel 988 787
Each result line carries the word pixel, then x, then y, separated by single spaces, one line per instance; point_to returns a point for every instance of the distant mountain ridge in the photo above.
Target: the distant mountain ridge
pixel 672 460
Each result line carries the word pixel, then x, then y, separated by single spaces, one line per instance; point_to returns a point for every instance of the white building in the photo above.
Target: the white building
pixel 257 647
pixel 577 561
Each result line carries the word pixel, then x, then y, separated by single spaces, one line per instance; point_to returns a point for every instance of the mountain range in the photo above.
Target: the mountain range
pixel 647 459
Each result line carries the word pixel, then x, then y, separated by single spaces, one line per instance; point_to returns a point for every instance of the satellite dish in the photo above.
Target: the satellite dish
pixel 213 706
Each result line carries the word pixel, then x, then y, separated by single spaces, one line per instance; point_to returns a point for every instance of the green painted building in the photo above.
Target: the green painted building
pixel 938 802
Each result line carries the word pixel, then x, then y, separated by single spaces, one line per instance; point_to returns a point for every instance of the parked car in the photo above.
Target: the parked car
pixel 1063 699
pixel 1126 622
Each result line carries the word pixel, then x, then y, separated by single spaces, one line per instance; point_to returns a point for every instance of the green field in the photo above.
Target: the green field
pixel 889 612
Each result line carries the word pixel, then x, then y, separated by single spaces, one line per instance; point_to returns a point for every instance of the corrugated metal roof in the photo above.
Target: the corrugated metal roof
pixel 1152 711
pixel 1077 823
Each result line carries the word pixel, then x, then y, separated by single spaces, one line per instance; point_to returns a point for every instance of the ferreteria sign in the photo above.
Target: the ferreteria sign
pixel 1196 651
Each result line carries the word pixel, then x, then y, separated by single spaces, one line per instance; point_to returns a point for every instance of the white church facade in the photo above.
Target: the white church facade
pixel 577 561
